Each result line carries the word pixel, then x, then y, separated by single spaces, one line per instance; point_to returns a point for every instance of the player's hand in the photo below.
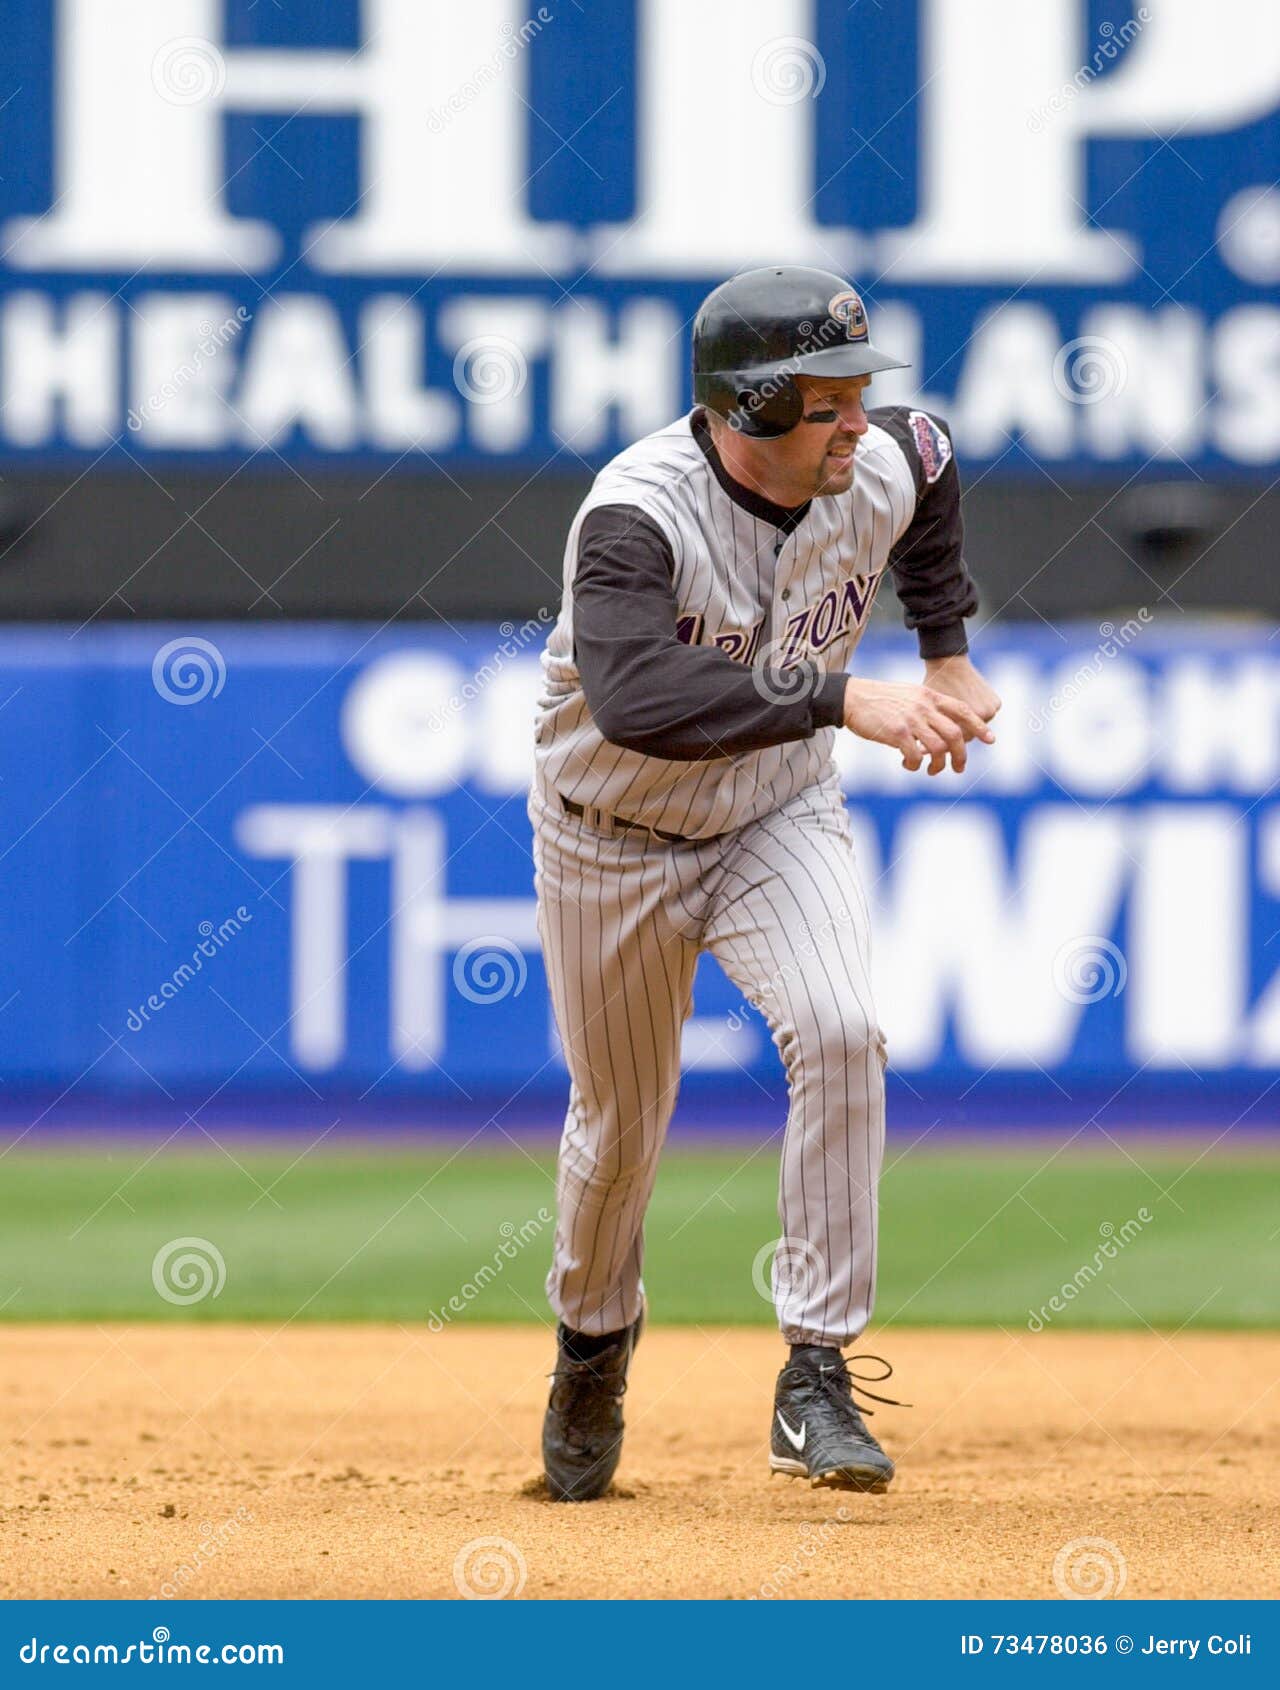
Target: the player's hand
pixel 958 678
pixel 920 722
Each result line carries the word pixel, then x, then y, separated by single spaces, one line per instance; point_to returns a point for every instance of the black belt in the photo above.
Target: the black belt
pixel 597 818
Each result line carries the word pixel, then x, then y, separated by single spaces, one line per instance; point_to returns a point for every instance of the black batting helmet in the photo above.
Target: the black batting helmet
pixel 759 330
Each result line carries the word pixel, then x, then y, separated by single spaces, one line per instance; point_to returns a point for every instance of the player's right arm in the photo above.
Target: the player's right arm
pixel 648 690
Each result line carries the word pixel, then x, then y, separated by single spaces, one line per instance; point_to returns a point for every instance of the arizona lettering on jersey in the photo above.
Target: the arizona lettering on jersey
pixel 757 583
pixel 806 634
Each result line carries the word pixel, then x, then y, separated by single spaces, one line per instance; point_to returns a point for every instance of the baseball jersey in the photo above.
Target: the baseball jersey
pixel 697 668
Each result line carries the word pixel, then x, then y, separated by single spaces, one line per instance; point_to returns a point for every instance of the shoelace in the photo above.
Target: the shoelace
pixel 837 1381
pixel 580 1374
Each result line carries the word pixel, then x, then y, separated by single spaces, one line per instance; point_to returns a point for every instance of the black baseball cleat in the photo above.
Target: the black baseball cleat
pixel 582 1431
pixel 818 1431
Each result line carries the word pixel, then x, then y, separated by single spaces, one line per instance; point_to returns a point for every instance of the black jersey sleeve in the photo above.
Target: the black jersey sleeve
pixel 929 570
pixel 650 691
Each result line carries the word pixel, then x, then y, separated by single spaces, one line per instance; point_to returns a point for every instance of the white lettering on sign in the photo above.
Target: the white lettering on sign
pixel 725 171
pixel 1148 906
pixel 964 933
pixel 496 339
pixel 139 177
pixel 441 98
pixel 319 840
pixel 61 368
pixel 1187 930
pixel 450 196
pixel 1184 80
pixel 1002 196
pixel 1010 940
pixel 398 729
pixel 1100 742
pixel 182 369
pixel 141 172
pixel 1153 365
pixel 1006 389
pixel 206 373
pixel 1220 724
pixel 203 372
pixel 403 413
pixel 1245 423
pixel 298 374
pixel 630 376
pixel 424 926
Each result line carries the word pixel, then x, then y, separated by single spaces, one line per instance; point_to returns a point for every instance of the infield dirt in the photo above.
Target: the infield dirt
pixel 323 1461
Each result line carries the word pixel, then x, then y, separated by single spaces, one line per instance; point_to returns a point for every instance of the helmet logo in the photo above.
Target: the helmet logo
pixel 847 309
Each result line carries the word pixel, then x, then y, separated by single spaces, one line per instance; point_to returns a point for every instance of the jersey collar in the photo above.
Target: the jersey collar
pixel 755 504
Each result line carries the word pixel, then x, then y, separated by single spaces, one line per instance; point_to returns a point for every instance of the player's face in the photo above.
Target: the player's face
pixel 821 446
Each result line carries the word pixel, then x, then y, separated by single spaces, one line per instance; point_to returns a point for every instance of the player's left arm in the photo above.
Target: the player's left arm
pixel 927 560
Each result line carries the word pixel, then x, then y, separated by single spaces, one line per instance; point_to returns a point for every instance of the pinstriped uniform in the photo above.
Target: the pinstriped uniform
pixel 764 878
pixel 730 577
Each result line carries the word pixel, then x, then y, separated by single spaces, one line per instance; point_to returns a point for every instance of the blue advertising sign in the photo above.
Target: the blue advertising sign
pixel 297 861
pixel 468 236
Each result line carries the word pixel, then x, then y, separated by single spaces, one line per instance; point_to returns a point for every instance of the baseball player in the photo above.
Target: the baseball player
pixel 717 580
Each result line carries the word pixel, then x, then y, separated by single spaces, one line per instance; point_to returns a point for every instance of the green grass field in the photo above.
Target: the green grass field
pixel 968 1236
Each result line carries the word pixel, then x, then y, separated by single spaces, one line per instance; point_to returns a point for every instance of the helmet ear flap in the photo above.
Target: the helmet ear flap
pixel 761 407
pixel 765 410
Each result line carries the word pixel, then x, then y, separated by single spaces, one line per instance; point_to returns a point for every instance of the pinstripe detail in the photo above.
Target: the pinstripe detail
pixel 768 885
pixel 623 919
pixel 726 572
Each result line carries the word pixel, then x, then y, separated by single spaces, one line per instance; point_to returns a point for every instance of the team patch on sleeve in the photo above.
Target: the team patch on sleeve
pixel 932 444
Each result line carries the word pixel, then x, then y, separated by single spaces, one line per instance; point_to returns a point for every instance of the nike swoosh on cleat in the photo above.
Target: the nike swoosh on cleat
pixel 795 1439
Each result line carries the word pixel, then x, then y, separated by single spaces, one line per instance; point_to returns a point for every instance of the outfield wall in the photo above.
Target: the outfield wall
pixel 215 845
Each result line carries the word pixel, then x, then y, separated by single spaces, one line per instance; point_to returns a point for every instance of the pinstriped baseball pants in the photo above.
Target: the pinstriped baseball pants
pixel 622 918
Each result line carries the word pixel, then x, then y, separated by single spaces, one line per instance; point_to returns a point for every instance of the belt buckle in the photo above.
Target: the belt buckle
pixel 601 821
pixel 591 815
